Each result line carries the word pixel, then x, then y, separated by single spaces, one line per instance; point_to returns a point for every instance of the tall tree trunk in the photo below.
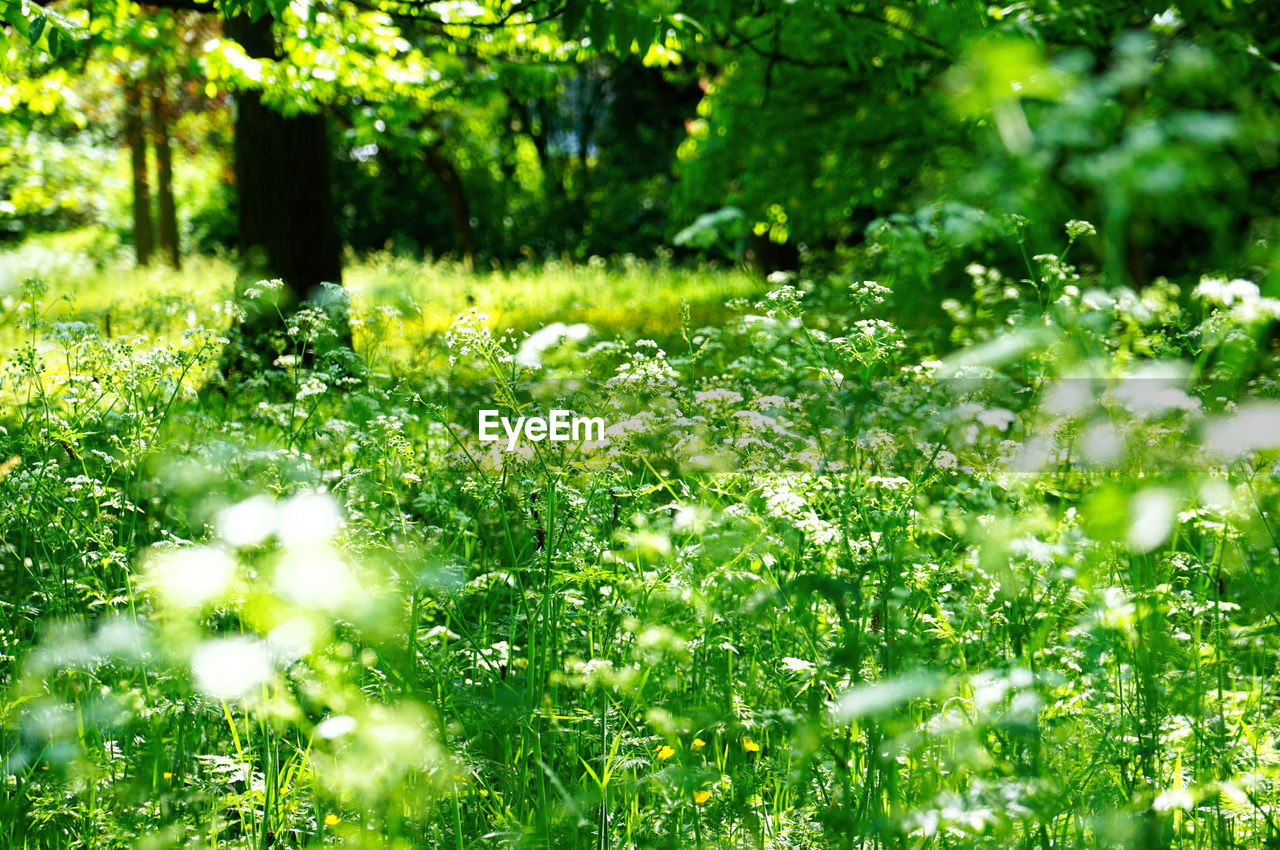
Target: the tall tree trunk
pixel 287 227
pixel 459 208
pixel 167 229
pixel 135 136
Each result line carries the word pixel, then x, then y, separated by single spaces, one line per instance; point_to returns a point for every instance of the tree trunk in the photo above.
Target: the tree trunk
pixel 135 136
pixel 167 229
pixel 459 208
pixel 287 227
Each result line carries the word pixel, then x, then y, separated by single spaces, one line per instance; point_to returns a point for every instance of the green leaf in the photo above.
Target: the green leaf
pixel 57 41
pixel 16 17
pixel 571 18
pixel 38 23
pixel 657 34
pixel 599 24
pixel 680 21
pixel 630 28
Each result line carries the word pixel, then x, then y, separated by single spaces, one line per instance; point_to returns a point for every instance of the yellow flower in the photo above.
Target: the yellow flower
pixel 332 820
pixel 665 752
pixel 168 775
pixel 700 797
pixel 750 745
pixel 698 743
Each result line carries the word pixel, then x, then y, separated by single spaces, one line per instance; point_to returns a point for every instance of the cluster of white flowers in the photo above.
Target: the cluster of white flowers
pixel 640 423
pixel 377 316
pixel 310 323
pixel 946 460
pixel 980 274
pixel 1077 228
pixel 1224 292
pixel 868 292
pixel 717 402
pixel 469 336
pixel 1053 269
pixel 647 371
pixel 888 482
pixel 261 288
pixel 782 501
pixel 311 385
pixel 1247 304
pixel 1257 311
pixel 600 673
pixel 989 287
pixel 774 402
pixel 876 328
pixel 784 300
pixel 817 529
pixel 68 333
pixel 759 422
pixel 870 341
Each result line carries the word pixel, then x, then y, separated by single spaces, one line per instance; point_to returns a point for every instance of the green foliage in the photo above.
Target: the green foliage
pixel 38 26
pixel 820 584
pixel 42 180
pixel 1164 137
pixel 961 535
pixel 817 118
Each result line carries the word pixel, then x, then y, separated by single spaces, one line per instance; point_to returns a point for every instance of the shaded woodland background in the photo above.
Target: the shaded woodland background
pixel 734 131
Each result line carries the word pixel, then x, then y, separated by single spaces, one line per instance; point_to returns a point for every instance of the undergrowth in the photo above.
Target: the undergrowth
pixel 824 583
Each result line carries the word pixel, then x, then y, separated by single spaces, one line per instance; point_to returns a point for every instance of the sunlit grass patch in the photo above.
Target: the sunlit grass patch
pixel 630 299
pixel 623 298
pixel 115 297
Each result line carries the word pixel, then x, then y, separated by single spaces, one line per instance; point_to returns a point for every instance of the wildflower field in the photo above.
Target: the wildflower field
pixel 828 581
pixel 639 425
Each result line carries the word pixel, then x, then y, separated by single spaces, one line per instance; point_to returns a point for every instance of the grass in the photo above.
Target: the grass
pixel 795 599
pixel 619 297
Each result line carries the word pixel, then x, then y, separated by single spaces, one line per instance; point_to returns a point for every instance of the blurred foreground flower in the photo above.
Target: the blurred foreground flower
pixel 190 578
pixel 230 668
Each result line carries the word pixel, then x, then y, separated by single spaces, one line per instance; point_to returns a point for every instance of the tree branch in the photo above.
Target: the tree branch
pixel 885 22
pixel 773 55
pixel 203 6
pixel 421 12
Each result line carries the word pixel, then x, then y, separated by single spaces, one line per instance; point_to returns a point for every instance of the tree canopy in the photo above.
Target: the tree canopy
pixel 815 125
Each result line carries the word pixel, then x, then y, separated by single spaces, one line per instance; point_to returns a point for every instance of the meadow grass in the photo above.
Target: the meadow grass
pixel 811 591
pixel 618 297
